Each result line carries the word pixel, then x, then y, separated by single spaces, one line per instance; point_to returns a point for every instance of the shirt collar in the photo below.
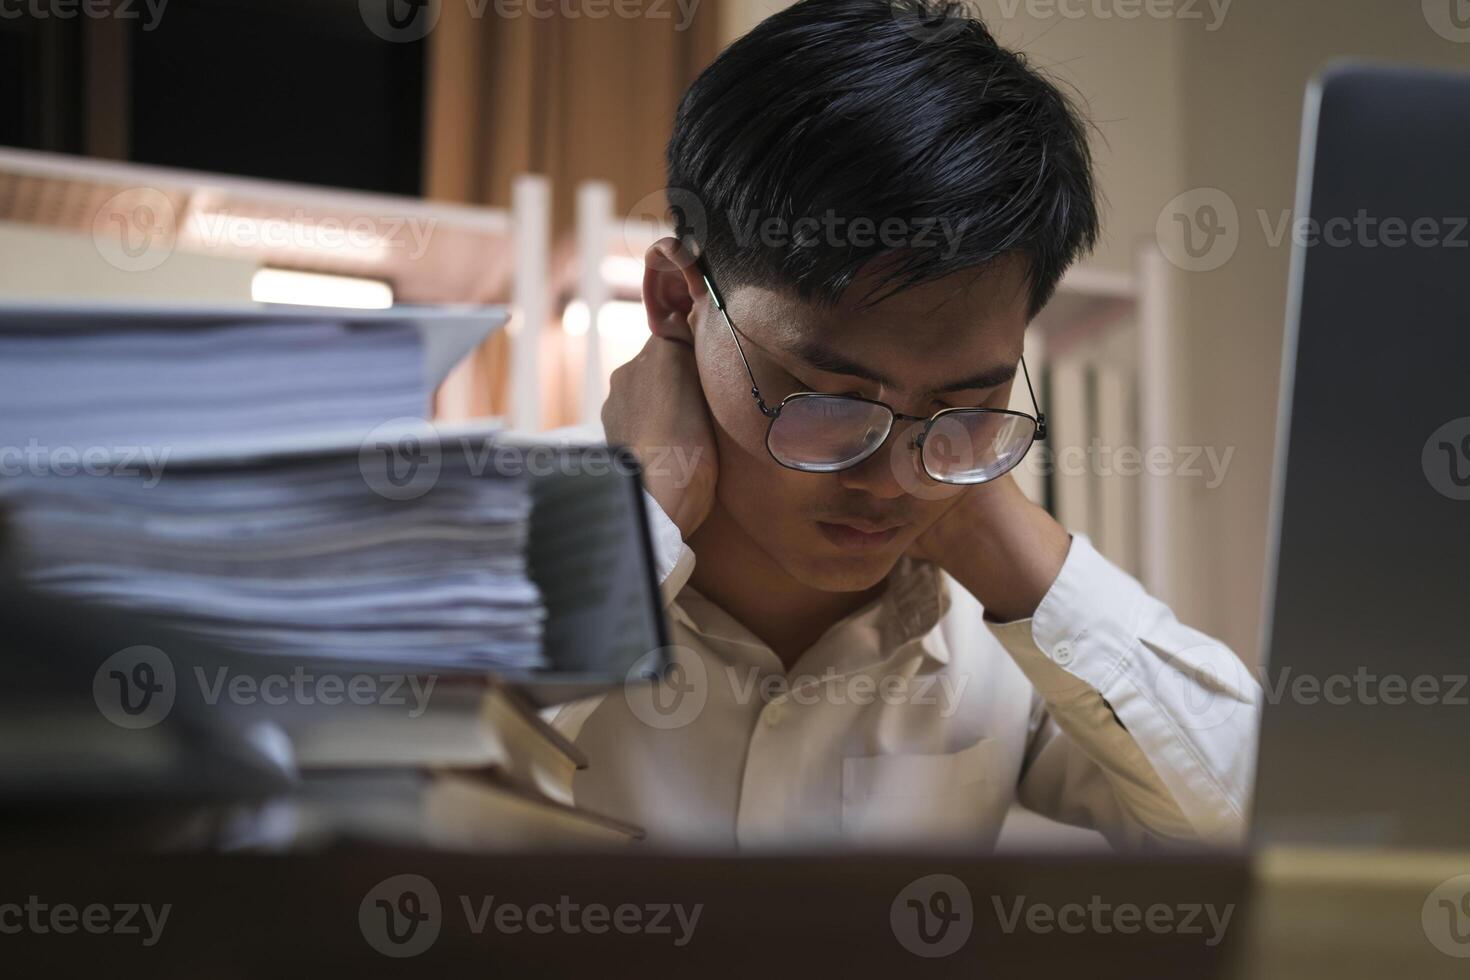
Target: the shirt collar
pixel 916 599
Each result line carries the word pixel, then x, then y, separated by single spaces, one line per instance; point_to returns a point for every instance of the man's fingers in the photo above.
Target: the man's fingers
pixel 682 338
pixel 660 361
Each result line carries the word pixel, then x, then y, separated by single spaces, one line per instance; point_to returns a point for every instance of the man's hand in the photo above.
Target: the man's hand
pixel 656 407
pixel 1002 548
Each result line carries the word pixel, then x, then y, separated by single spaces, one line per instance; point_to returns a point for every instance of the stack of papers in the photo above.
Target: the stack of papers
pixel 79 390
pixel 234 472
pixel 279 591
pixel 298 555
pixel 86 754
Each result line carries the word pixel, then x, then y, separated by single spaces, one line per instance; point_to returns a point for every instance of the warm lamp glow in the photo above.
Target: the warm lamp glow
pixel 317 289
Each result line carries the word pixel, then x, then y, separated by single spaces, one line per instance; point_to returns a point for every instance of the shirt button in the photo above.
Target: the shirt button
pixel 1062 653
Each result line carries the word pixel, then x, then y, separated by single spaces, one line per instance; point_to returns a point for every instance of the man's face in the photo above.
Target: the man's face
pixel 955 342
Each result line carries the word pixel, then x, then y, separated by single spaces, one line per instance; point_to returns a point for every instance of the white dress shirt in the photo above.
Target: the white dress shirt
pixel 916 721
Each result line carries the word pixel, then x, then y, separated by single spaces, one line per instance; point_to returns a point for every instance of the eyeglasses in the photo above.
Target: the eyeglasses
pixel 821 433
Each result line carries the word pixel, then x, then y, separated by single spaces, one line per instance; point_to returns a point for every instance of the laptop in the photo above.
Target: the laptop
pixel 1367 628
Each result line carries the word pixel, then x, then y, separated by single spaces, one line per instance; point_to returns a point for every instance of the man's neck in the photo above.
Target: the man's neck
pixel 737 575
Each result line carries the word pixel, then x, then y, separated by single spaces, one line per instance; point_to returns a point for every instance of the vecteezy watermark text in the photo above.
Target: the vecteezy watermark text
pixel 1367 687
pixel 680 212
pixel 139 228
pixel 1102 917
pixel 305 232
pixel 832 230
pixel 401 916
pixel 137 687
pixel 1097 458
pixel 301 686
pixel 1365 230
pixel 40 918
pixel 34 459
pixel 1200 230
pixel 831 687
pixel 568 917
pixel 668 688
pixel 407 21
pixel 933 917
pixel 1212 12
pixel 1208 684
pixel 150 12
pixel 402 459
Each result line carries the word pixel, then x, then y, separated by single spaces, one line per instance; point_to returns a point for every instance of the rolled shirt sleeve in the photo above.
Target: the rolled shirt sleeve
pixel 1146 727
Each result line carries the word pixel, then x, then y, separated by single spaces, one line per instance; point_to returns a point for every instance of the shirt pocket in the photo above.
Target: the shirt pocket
pixel 953 799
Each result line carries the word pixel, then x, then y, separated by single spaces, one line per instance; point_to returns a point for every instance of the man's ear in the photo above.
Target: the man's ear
pixel 671 283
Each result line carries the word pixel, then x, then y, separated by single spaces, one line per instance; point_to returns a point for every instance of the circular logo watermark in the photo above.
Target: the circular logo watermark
pixel 668 210
pixel 401 916
pixel 1203 685
pixel 1446 459
pixel 136 229
pixel 932 916
pixel 1199 230
pixel 928 25
pixel 401 458
pixel 135 688
pixel 400 21
pixel 1450 19
pixel 946 444
pixel 1446 917
pixel 667 688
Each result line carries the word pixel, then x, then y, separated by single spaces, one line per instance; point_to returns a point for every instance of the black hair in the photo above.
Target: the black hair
pixel 854 112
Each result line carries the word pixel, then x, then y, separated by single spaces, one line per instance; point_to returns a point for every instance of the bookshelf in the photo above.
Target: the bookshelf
pixel 1111 469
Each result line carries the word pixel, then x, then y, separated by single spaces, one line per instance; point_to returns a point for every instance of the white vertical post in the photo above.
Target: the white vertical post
pixel 1072 422
pixel 1030 475
pixel 530 297
pixel 594 224
pixel 1117 494
pixel 1156 407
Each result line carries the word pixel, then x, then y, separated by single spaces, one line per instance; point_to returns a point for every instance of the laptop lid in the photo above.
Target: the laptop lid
pixel 1367 722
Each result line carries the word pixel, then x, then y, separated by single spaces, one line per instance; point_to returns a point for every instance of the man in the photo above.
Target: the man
pixel 878 638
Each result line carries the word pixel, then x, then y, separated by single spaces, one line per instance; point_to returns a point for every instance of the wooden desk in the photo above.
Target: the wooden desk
pixel 1294 915
pixel 1353 914
pixel 817 917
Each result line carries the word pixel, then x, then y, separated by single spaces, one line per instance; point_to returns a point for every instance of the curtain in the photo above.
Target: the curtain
pixel 571 96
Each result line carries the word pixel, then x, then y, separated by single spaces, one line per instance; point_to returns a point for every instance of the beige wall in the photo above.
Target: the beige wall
pixel 1243 87
pixel 1119 72
pixel 737 17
